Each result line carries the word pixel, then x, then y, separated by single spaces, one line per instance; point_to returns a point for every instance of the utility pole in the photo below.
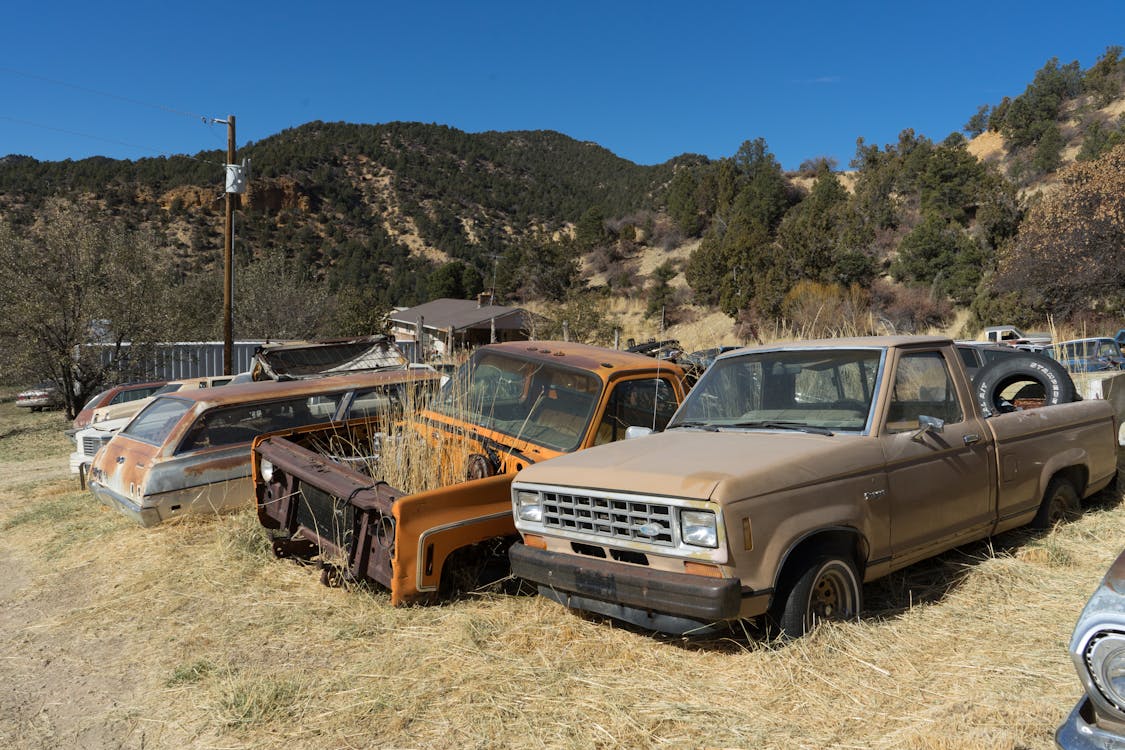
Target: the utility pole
pixel 228 260
pixel 236 176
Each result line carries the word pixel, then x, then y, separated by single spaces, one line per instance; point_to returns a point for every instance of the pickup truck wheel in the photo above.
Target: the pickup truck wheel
pixel 1041 376
pixel 828 589
pixel 1060 504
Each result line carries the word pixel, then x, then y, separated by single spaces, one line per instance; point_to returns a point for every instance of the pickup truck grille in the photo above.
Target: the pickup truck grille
pixel 633 520
pixel 330 518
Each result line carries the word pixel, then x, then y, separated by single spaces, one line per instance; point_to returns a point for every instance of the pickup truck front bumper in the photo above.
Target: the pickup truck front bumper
pixel 1080 732
pixel 676 603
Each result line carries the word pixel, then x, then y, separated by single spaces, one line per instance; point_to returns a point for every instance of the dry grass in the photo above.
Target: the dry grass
pixel 192 635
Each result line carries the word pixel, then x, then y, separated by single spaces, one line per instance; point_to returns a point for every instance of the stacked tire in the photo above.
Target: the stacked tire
pixel 1030 376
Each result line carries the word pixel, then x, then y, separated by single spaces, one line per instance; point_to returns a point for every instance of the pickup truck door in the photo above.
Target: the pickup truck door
pixel 940 480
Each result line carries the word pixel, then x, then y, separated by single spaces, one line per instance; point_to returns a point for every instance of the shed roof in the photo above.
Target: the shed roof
pixel 459 314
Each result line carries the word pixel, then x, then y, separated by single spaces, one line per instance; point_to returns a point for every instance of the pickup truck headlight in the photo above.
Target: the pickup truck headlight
pixel 699 527
pixel 266 468
pixel 529 506
pixel 1105 660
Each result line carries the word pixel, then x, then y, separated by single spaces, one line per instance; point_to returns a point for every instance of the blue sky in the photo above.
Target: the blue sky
pixel 647 80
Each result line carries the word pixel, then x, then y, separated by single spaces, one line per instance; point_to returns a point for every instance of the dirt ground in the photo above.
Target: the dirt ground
pixel 50 697
pixel 193 636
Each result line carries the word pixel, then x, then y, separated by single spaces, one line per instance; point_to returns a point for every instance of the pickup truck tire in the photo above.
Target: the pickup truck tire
pixel 828 588
pixel 1060 504
pixel 1045 378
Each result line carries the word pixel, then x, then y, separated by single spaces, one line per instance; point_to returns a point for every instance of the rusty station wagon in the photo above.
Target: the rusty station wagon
pixel 190 452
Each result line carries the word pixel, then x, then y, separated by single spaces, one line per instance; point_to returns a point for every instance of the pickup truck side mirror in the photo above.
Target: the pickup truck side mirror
pixel 927 424
pixel 635 432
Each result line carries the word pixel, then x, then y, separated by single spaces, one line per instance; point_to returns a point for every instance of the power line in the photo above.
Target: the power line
pixel 194 115
pixel 139 102
pixel 158 152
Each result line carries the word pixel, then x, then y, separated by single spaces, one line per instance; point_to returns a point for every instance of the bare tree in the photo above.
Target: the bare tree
pixel 82 300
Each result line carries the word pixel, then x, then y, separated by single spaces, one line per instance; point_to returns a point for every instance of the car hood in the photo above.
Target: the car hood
pixel 721 466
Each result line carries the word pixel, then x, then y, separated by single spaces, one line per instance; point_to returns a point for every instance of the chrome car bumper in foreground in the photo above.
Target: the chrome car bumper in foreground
pixel 1079 732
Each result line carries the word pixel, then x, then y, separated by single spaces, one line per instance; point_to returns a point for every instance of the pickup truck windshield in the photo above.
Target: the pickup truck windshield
pixel 546 404
pixel 825 389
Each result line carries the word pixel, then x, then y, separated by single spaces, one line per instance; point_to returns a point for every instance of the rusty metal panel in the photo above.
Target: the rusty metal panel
pixel 343 513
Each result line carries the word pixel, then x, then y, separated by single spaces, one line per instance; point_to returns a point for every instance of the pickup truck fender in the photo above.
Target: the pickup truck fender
pixel 429 526
pixel 855 507
pixel 841 540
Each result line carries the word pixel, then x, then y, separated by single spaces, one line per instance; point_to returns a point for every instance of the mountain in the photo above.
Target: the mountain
pixel 358 204
pixel 911 233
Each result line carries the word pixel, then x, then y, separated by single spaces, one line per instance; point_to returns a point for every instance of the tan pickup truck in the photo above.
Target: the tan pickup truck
pixel 791 475
pixel 511 405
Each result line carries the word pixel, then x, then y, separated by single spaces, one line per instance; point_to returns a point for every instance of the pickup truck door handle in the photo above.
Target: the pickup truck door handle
pixel 873 494
pixel 971 439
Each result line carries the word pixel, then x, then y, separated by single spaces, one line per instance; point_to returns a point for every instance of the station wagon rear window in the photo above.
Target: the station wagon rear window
pixel 156 420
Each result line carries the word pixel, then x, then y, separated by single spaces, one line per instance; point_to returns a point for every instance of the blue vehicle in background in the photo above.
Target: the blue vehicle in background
pixel 1088 355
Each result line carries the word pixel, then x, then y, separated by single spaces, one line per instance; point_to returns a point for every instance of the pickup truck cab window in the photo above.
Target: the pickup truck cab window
pixel 922 386
pixel 779 389
pixel 636 403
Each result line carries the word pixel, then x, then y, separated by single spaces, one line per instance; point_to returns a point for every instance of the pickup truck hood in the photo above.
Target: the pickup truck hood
pixel 723 466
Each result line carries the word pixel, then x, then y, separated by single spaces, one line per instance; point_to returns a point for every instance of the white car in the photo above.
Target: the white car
pixel 89 440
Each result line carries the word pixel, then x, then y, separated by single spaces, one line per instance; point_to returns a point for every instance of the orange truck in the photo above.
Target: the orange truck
pixel 510 406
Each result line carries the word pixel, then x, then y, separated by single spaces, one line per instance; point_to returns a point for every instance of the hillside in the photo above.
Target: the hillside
pixel 351 219
pixel 357 203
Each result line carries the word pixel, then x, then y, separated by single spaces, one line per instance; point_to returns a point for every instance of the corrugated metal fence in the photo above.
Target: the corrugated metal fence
pixel 187 359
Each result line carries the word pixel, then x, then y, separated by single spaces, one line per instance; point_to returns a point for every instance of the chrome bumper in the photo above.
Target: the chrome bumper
pixel 144 516
pixel 1079 732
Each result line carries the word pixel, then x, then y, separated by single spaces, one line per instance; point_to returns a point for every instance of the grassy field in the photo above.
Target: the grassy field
pixel 193 635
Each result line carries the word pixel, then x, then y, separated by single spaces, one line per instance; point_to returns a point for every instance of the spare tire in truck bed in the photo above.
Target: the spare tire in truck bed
pixel 1027 377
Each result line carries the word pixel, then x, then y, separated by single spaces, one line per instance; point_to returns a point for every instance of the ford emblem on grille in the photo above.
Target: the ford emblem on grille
pixel 650 529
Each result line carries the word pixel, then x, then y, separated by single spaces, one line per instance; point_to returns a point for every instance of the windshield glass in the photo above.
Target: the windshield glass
pixel 1108 348
pixel 543 403
pixel 830 389
pixel 156 420
pixel 92 402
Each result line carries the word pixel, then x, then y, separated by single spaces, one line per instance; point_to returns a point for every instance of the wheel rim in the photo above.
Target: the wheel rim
pixel 832 597
pixel 1064 507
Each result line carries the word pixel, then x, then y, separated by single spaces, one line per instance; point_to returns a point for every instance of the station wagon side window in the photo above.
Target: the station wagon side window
pixel 922 386
pixel 137 393
pixel 642 403
pixel 233 425
pixel 381 401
